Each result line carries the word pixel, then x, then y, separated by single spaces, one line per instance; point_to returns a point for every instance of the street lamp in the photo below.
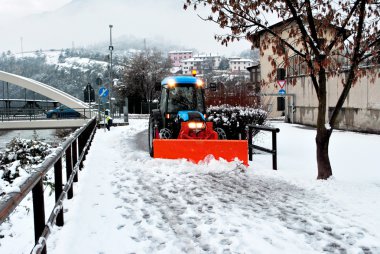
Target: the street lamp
pixel 110 84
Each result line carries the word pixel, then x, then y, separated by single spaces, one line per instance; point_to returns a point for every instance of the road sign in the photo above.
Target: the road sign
pixel 103 92
pixel 212 87
pixel 281 83
pixel 104 100
pixel 281 92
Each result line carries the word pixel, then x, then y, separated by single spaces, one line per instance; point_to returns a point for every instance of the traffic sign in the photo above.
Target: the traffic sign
pixel 281 83
pixel 281 92
pixel 104 99
pixel 212 87
pixel 103 92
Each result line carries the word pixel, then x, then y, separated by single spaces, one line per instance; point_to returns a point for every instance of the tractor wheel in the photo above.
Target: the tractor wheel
pixel 151 135
pixel 221 133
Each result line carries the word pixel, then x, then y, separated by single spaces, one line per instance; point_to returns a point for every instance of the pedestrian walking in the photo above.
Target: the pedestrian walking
pixel 108 122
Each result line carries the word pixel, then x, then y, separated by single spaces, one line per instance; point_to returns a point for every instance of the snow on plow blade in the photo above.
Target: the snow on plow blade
pixel 196 150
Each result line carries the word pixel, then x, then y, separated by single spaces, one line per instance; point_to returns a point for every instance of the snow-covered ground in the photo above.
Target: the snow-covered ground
pixel 126 202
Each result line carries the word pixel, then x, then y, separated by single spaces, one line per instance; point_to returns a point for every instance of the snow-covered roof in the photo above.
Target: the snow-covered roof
pixel 192 60
pixel 234 57
pixel 180 51
pixel 175 69
pixel 206 55
pixel 242 60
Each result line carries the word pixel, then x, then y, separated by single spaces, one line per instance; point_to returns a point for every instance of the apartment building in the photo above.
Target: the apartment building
pixel 239 65
pixel 299 103
pixel 177 56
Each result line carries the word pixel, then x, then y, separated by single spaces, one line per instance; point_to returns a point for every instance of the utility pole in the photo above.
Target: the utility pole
pixel 110 81
pixel 22 50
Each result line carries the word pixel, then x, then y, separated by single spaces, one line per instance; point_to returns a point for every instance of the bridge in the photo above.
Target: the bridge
pixel 38 120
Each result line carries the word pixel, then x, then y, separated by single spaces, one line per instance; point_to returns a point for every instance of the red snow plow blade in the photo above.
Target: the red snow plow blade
pixel 197 149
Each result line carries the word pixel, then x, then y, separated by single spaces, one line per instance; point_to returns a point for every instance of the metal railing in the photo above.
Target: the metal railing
pixel 251 146
pixel 74 149
pixel 30 114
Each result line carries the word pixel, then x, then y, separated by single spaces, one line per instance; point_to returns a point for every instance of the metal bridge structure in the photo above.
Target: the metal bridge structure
pixel 49 92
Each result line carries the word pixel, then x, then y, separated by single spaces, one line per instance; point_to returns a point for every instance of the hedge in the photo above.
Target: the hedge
pixel 233 119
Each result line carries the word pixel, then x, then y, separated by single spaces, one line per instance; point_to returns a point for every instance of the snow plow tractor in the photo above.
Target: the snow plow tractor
pixel 178 128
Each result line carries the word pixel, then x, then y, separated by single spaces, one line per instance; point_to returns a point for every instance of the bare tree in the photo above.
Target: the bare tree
pixel 319 33
pixel 142 73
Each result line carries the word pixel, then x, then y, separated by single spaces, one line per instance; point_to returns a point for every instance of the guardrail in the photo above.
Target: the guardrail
pixel 251 146
pixel 74 149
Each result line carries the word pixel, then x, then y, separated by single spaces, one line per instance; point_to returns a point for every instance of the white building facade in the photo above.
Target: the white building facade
pixel 202 63
pixel 240 65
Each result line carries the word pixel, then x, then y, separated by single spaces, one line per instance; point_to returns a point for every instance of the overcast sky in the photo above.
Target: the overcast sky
pixel 18 8
pixel 47 24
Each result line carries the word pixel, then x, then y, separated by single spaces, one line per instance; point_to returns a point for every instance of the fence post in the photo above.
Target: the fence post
pixel 58 189
pixel 69 170
pixel 274 148
pixel 80 149
pixel 250 143
pixel 39 211
pixel 75 157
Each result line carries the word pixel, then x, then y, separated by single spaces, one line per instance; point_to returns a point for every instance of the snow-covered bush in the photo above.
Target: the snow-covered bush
pixel 19 156
pixel 233 119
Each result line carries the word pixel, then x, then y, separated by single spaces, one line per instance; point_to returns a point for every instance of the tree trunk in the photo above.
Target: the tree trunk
pixel 323 160
pixel 323 135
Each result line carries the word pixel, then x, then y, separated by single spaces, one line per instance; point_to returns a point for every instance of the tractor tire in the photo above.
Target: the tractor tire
pixel 221 133
pixel 151 135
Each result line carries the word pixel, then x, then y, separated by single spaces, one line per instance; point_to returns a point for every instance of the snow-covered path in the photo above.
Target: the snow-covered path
pixel 127 202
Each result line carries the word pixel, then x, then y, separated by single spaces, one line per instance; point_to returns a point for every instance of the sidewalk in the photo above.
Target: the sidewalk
pixel 127 202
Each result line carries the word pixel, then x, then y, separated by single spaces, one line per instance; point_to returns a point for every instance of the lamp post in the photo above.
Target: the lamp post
pixel 110 82
pixel 115 81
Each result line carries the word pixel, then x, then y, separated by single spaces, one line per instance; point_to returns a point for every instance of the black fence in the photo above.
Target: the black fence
pixel 75 150
pixel 251 146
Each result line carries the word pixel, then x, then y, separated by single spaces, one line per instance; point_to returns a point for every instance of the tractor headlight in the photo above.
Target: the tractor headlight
pixel 200 83
pixel 171 83
pixel 196 125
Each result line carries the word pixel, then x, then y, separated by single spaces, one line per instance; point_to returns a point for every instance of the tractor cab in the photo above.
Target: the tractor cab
pixel 180 94
pixel 180 97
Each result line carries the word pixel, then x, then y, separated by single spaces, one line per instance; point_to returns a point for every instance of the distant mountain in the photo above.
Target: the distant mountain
pixel 67 70
pixel 86 22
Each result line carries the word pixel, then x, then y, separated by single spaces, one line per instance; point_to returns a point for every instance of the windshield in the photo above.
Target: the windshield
pixel 185 98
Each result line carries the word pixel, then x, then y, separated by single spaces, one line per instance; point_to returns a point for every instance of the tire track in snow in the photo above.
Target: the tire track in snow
pixel 178 207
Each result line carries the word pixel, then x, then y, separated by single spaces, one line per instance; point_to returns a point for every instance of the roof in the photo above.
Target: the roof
pixel 180 51
pixel 287 22
pixel 206 55
pixel 192 60
pixel 180 80
pixel 242 60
